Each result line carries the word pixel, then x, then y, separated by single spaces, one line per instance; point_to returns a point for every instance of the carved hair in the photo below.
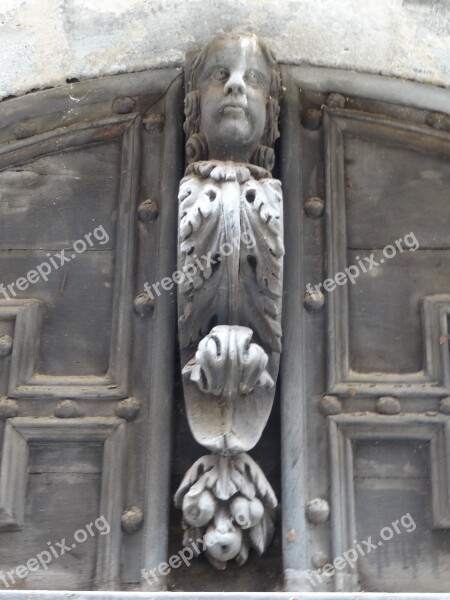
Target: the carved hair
pixel 196 145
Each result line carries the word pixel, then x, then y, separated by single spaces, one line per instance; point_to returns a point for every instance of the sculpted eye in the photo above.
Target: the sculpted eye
pixel 253 77
pixel 220 74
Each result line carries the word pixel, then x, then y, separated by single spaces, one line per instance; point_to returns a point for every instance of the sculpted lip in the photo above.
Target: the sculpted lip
pixel 233 107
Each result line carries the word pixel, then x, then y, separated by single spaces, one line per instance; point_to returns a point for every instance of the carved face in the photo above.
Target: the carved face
pixel 234 89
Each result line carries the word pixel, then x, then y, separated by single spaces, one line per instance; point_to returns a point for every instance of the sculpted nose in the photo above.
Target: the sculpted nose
pixel 235 84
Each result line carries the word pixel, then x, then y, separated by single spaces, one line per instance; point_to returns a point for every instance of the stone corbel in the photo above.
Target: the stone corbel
pixel 231 253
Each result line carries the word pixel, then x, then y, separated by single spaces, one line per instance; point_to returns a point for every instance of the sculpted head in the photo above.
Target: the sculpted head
pixel 233 104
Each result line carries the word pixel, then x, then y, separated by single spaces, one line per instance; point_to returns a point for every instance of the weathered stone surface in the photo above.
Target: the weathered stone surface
pixel 231 125
pixel 84 39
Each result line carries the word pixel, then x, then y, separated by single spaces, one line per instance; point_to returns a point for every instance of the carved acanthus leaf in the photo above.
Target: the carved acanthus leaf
pixel 201 234
pixel 261 534
pixel 261 266
pixel 242 286
pixel 225 476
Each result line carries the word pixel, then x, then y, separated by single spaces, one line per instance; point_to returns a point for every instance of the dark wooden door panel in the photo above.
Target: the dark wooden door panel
pixel 365 388
pixel 78 352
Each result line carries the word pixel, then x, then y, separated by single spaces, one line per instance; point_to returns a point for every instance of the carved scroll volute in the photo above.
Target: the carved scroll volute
pixel 231 254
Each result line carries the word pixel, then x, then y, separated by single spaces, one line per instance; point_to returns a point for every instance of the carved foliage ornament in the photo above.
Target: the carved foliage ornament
pixel 231 249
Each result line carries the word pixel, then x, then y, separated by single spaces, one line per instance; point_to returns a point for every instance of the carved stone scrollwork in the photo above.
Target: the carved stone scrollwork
pixel 231 257
pixel 227 364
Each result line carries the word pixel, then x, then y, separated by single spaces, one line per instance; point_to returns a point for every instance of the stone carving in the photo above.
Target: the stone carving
pixel 228 500
pixel 227 364
pixel 223 204
pixel 231 252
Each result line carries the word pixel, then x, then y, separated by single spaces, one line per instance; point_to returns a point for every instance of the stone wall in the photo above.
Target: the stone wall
pixel 46 42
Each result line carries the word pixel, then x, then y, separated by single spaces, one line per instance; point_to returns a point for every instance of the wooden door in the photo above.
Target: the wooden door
pixel 365 381
pixel 88 179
